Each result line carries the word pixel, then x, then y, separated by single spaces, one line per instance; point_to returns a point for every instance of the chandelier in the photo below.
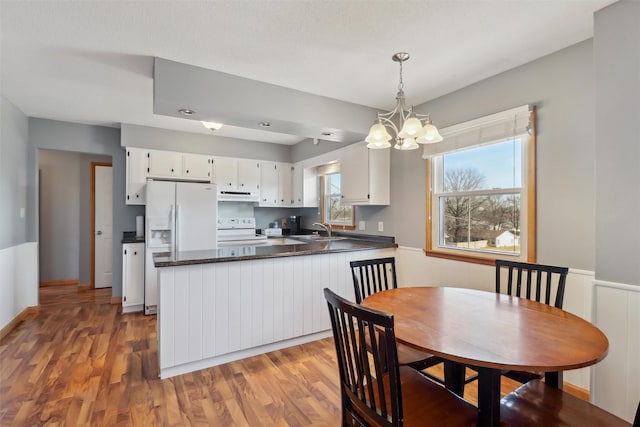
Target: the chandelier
pixel 414 128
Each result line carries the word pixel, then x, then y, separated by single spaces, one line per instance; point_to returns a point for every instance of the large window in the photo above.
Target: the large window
pixel 482 194
pixel 333 211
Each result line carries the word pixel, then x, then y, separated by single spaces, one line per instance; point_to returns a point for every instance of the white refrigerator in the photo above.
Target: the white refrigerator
pixel 180 216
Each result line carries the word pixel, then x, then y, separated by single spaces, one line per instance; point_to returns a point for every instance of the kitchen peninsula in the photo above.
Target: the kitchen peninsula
pixel 226 304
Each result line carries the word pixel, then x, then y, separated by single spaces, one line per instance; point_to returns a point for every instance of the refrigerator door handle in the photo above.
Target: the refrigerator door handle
pixel 177 245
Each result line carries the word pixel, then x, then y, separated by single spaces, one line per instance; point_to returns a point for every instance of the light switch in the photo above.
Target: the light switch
pixel 361 226
pixel 22 212
pixel 380 226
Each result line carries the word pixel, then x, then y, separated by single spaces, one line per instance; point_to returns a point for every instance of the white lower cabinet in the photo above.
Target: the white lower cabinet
pixel 132 277
pixel 214 313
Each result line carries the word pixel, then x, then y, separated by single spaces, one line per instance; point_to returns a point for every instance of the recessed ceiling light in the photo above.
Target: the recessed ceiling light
pixel 186 112
pixel 212 126
pixel 326 134
pixel 265 124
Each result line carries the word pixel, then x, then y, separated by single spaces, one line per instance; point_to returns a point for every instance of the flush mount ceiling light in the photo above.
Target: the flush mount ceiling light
pixel 414 128
pixel 265 124
pixel 212 126
pixel 186 112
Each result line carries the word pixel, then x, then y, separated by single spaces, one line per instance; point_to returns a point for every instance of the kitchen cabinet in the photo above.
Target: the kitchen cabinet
pixel 132 277
pixel 136 176
pixel 269 184
pixel 196 167
pixel 164 164
pixel 365 175
pixel 236 174
pixel 275 184
pixel 285 196
pixel 297 185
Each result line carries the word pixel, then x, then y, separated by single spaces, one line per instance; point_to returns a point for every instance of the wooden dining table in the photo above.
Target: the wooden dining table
pixel 490 332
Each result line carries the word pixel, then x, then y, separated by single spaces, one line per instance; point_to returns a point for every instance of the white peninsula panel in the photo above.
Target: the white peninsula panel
pixel 214 313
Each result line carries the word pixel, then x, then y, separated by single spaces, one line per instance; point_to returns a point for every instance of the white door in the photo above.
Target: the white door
pixel 103 226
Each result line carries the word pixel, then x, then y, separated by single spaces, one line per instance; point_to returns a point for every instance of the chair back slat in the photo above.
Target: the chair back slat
pixel 373 275
pixel 542 283
pixel 362 367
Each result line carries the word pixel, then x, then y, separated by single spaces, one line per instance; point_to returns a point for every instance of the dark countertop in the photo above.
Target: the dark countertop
pixel 130 237
pixel 243 253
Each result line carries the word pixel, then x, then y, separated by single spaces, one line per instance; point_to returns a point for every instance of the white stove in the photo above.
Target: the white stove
pixel 238 232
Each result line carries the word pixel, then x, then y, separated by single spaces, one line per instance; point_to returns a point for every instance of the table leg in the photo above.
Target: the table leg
pixel 553 379
pixel 454 377
pixel 488 397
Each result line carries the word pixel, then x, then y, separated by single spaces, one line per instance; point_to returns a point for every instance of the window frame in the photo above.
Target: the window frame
pixel 323 198
pixel 528 202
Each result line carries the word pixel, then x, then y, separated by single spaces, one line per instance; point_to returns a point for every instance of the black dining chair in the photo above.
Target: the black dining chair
pixel 536 404
pixel 541 283
pixel 375 275
pixel 375 390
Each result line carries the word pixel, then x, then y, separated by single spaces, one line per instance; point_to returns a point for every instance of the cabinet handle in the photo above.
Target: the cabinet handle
pixel 187 170
pixel 135 253
pixel 137 195
pixel 241 185
pixel 171 170
pixel 264 200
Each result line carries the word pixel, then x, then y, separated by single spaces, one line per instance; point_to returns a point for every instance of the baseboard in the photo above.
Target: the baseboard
pixel 61 282
pixel 116 300
pixel 16 321
pixel 578 392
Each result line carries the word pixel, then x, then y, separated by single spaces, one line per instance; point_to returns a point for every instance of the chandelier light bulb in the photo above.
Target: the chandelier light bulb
pixel 378 134
pixel 407 144
pixel 411 128
pixel 430 135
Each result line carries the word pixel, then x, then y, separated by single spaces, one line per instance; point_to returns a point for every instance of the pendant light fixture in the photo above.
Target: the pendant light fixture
pixel 414 128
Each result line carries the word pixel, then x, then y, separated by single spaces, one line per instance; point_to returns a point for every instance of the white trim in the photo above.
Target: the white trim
pixel 231 357
pixel 615 285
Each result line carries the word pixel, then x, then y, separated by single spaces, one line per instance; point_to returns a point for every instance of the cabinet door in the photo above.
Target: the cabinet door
pixel 248 175
pixel 136 176
pixel 268 184
pixel 226 173
pixel 133 275
pixel 196 166
pixel 297 185
pixel 164 164
pixel 284 185
pixel 354 174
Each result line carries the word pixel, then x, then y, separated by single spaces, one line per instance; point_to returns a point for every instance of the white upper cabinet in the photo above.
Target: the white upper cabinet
pixel 226 173
pixel 137 164
pixel 248 175
pixel 164 164
pixel 269 184
pixel 297 185
pixel 285 196
pixel 197 167
pixel 365 175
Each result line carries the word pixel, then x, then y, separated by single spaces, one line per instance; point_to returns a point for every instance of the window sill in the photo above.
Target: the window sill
pixel 484 259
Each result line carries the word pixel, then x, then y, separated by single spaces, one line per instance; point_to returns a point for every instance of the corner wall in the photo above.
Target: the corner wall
pixel 18 256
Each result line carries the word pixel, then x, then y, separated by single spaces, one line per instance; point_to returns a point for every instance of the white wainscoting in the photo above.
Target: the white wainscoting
pixel 616 380
pixel 416 269
pixel 215 313
pixel 18 280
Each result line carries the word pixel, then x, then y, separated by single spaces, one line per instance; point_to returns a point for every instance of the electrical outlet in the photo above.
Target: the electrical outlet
pixel 380 226
pixel 361 226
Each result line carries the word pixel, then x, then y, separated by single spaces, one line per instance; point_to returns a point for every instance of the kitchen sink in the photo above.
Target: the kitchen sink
pixel 316 238
pixel 278 241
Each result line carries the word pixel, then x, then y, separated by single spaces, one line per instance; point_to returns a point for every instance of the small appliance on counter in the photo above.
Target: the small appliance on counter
pixel 238 232
pixel 295 224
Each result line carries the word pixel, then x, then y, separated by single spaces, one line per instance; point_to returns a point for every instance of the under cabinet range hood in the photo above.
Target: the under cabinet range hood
pixel 238 196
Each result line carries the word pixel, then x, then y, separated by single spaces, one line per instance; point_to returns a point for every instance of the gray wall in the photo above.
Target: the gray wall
pixel 14 139
pixel 65 215
pixel 617 90
pixel 55 135
pixel 561 85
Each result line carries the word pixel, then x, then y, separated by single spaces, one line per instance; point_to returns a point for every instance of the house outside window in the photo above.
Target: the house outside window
pixel 481 201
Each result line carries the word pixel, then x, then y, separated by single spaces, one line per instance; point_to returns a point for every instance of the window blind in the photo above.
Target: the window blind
pixel 488 129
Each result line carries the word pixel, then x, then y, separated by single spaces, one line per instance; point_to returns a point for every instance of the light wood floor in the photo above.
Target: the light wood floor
pixel 79 361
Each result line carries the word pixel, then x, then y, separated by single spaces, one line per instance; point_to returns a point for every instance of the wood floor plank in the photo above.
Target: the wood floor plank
pixel 77 360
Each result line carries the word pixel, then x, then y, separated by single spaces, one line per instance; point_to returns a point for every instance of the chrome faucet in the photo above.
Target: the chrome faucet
pixel 326 226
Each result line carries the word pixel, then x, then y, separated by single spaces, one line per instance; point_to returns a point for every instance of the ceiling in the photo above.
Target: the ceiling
pixel 92 61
